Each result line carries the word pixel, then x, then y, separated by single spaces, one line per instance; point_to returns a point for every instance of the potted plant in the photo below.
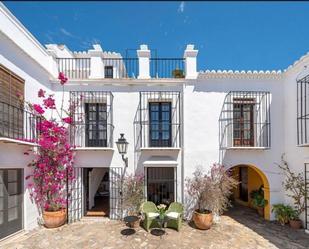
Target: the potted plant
pixel 162 210
pixel 211 194
pixel 133 195
pixel 52 166
pixel 258 200
pixel 178 73
pixel 294 185
pixel 282 213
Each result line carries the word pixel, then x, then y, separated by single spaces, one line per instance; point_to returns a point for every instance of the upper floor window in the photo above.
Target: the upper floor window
pixel 108 72
pixel 160 124
pixel 243 122
pixel 303 111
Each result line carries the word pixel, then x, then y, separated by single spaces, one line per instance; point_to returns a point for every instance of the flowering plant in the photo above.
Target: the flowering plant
pixel 162 209
pixel 133 194
pixel 52 165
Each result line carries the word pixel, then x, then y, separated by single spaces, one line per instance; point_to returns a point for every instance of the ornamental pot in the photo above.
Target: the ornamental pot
pixel 260 211
pixel 202 221
pixel 53 219
pixel 295 224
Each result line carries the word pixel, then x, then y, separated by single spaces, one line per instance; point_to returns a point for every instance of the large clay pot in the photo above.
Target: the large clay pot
pixel 202 221
pixel 295 224
pixel 260 211
pixel 53 219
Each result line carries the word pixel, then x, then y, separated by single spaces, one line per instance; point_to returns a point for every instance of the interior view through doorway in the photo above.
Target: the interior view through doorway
pixel 97 192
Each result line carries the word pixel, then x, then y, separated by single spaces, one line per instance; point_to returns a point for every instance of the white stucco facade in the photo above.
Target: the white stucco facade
pixel 201 97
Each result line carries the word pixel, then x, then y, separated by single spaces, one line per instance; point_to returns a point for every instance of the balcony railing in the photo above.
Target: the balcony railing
pixel 303 111
pixel 17 123
pixel 167 67
pixel 92 119
pixel 121 68
pixel 245 120
pixel 74 68
pixel 157 122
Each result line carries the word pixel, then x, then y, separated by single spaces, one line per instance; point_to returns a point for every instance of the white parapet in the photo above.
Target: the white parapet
pixel 143 62
pixel 96 63
pixel 190 55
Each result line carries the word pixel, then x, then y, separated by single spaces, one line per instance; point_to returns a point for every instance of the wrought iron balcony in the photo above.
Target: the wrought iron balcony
pixel 157 121
pixel 245 120
pixel 303 111
pixel 167 68
pixel 92 119
pixel 17 123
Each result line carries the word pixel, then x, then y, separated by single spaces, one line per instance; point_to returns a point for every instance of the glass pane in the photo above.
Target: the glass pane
pixel 12 201
pixel 154 107
pixel 12 175
pixel 12 214
pixel 165 135
pixel 166 116
pixel 1 176
pixel 2 186
pixel 1 217
pixel 1 203
pixel 165 106
pixel 154 116
pixel 155 135
pixel 12 188
pixel 154 127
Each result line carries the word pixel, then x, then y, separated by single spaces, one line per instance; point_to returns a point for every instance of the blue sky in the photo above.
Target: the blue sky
pixel 229 35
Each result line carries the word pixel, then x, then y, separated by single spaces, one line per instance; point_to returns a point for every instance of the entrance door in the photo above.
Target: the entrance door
pixel 115 191
pixel 11 201
pixel 243 188
pixel 161 185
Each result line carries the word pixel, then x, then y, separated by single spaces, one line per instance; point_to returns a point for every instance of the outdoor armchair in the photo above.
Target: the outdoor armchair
pixel 175 213
pixel 150 212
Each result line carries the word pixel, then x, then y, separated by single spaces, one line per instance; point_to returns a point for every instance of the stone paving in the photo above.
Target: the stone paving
pixel 238 229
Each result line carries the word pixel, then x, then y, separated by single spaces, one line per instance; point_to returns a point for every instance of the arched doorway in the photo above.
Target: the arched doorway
pixel 250 178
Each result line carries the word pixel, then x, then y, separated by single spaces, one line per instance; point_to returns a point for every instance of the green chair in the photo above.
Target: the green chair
pixel 150 212
pixel 175 213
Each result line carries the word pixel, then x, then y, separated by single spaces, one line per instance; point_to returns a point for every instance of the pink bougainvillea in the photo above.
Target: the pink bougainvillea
pixel 63 79
pixel 52 165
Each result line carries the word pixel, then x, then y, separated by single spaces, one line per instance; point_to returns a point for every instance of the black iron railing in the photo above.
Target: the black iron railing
pixel 303 111
pixel 245 120
pixel 74 68
pixel 17 123
pixel 92 119
pixel 158 120
pixel 167 67
pixel 119 68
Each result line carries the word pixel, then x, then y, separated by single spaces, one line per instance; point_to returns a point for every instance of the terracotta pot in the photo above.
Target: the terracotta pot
pixel 295 224
pixel 53 219
pixel 202 221
pixel 260 211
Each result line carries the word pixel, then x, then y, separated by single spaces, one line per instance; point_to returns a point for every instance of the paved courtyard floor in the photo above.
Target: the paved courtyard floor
pixel 240 228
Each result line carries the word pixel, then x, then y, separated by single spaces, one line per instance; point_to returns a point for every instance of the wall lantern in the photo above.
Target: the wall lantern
pixel 122 146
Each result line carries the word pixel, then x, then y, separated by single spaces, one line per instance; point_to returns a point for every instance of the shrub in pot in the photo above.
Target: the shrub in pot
pixel 133 195
pixel 178 73
pixel 258 201
pixel 210 192
pixel 294 185
pixel 52 166
pixel 282 213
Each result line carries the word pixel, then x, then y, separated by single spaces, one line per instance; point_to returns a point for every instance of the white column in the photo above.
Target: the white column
pixel 96 63
pixel 143 62
pixel 190 55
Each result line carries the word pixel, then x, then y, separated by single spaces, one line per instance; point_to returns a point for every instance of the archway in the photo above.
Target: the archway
pixel 252 179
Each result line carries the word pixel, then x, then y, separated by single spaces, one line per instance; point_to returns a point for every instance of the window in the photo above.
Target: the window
pixel 243 122
pixel 161 185
pixel 108 72
pixel 160 124
pixel 11 201
pixel 96 125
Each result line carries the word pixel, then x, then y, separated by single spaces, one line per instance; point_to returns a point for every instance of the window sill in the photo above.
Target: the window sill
pixel 93 149
pixel 160 148
pixel 16 141
pixel 248 148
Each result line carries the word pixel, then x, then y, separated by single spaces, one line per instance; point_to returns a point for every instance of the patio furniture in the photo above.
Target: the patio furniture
pixel 162 221
pixel 174 213
pixel 150 212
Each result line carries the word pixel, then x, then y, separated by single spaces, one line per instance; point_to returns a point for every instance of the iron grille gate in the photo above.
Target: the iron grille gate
pixel 75 195
pixel 307 195
pixel 115 193
pixel 75 191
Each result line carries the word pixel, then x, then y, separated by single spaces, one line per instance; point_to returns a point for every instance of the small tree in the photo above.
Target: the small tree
pixel 294 184
pixel 133 194
pixel 210 192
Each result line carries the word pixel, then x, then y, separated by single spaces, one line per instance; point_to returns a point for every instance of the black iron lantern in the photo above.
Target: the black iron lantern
pixel 122 146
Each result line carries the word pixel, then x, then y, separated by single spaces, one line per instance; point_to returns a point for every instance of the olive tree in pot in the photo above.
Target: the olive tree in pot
pixel 133 195
pixel 210 193
pixel 294 185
